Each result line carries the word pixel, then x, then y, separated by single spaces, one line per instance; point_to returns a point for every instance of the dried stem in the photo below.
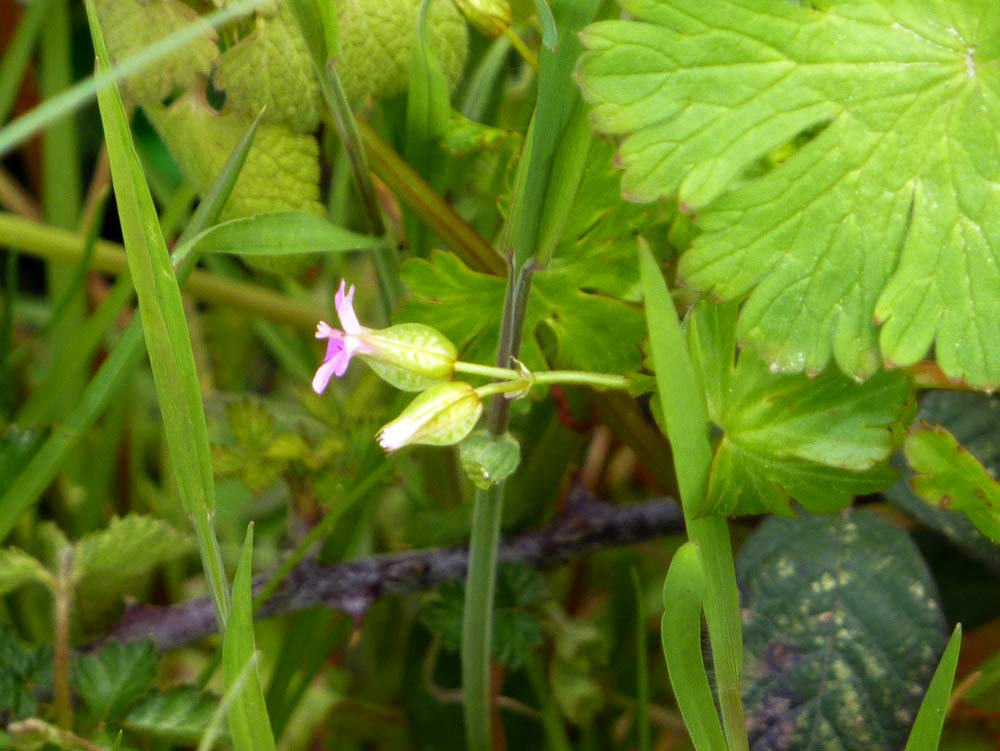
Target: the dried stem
pixel 586 526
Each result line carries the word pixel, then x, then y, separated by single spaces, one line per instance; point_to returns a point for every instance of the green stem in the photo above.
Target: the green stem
pixel 581 378
pixel 477 622
pixel 61 627
pixel 60 245
pixel 488 371
pixel 507 387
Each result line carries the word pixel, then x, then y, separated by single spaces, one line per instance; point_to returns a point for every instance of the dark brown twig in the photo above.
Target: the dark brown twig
pixel 586 526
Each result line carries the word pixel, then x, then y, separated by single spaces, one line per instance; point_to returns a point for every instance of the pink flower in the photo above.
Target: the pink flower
pixel 410 356
pixel 341 345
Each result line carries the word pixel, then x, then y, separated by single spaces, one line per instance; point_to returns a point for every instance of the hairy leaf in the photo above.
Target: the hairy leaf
pixel 883 214
pixel 819 440
pixel 116 560
pixel 272 68
pixel 111 680
pixel 376 39
pixel 131 26
pixel 842 632
pixel 281 172
pixel 974 420
pixel 17 568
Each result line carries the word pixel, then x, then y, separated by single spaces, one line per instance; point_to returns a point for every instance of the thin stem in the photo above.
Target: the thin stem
pixel 488 371
pixel 55 244
pixel 582 378
pixel 522 49
pixel 15 198
pixel 61 627
pixel 477 622
pixel 507 387
pixel 386 260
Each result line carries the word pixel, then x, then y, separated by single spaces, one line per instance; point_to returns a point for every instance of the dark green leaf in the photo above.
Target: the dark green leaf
pixel 23 671
pixel 842 631
pixel 116 677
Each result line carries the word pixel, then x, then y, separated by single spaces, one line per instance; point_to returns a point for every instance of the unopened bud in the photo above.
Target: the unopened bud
pixel 441 416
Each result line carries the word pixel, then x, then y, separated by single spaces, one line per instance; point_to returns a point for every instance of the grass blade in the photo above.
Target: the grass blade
pixel 686 417
pixel 165 328
pixel 18 53
pixel 926 731
pixel 72 99
pixel 248 721
pixel 643 741
pixel 683 594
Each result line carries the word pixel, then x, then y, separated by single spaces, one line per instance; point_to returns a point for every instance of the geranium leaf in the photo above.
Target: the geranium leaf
pixel 819 440
pixel 18 568
pixel 883 213
pixel 842 632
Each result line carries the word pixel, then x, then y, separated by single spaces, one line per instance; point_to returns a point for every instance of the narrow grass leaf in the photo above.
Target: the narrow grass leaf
pixel 282 233
pixel 28 485
pixel 248 720
pixel 18 53
pixel 683 593
pixel 550 33
pixel 74 98
pixel 926 732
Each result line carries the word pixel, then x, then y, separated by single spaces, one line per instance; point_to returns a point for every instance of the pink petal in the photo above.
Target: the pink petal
pixel 325 330
pixel 345 309
pixel 322 377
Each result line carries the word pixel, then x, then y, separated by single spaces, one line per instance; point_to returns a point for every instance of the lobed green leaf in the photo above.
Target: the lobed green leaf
pixel 881 215
pixel 117 676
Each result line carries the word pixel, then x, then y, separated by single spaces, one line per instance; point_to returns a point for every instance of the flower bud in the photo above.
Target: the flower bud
pixel 491 17
pixel 440 416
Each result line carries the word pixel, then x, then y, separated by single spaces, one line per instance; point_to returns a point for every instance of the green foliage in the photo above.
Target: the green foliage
pixel 842 632
pixel 882 217
pixel 973 420
pixel 24 671
pixel 130 26
pixel 271 68
pixel 116 677
pixel 279 234
pixel 926 732
pixel 950 477
pixel 489 459
pixel 578 665
pixel 281 172
pixel 818 440
pixel 248 721
pixel 516 627
pixel 180 715
pixel 17 568
pixel 376 39
pixel 116 560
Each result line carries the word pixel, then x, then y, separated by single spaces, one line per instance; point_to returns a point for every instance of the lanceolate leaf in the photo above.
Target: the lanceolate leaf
pixel 842 633
pixel 884 214
pixel 819 440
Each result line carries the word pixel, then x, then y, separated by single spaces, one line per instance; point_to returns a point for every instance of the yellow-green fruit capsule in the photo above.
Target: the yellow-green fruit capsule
pixel 441 416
